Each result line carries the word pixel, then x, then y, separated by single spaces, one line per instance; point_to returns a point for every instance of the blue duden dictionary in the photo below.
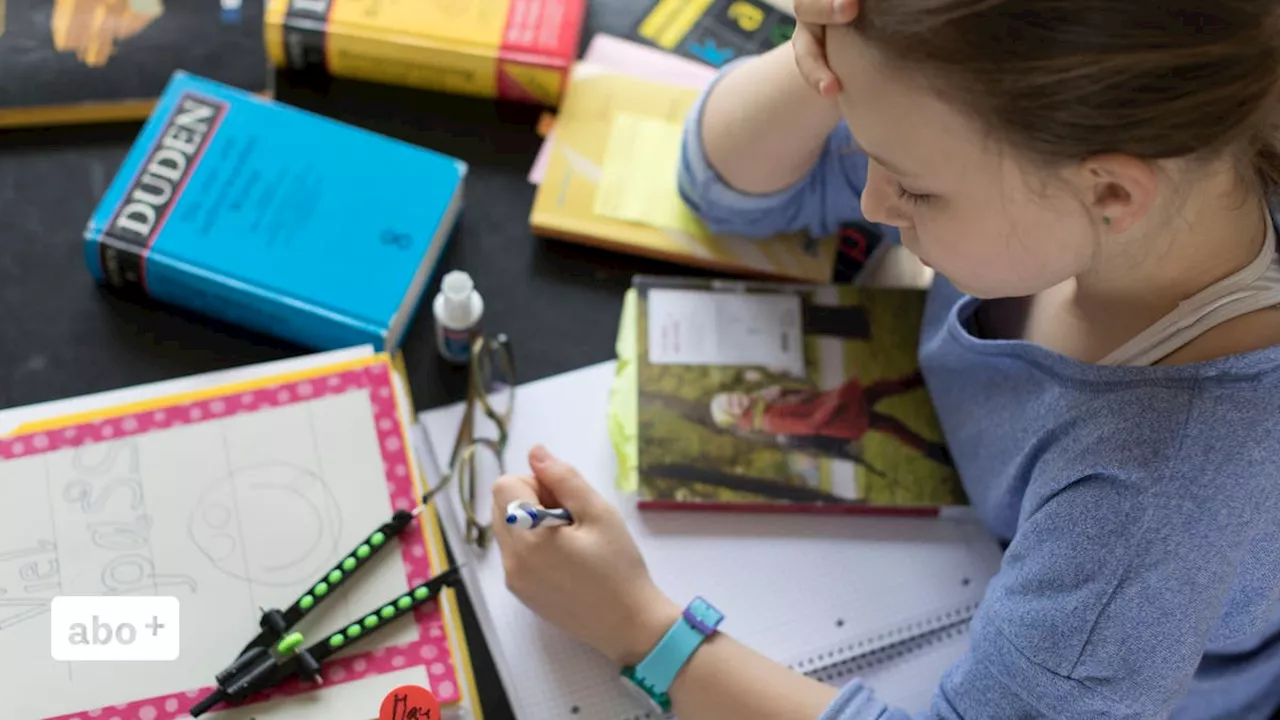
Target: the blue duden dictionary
pixel 273 218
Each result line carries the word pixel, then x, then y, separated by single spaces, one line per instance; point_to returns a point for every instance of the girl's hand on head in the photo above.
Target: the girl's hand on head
pixel 810 40
pixel 587 578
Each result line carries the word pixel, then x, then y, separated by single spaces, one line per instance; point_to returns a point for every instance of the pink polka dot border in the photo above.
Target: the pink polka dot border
pixel 430 650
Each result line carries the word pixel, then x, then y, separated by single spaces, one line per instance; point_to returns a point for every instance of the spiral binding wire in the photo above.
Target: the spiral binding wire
pixel 871 643
pixel 855 666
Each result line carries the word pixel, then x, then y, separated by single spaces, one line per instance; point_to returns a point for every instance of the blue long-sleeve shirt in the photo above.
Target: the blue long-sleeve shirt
pixel 1141 504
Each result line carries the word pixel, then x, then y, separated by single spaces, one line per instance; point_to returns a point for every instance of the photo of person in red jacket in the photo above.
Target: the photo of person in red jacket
pixel 842 415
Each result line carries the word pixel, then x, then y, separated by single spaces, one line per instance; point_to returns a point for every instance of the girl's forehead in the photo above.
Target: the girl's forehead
pixel 896 117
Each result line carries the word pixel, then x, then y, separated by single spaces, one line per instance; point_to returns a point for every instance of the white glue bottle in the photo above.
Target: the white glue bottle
pixel 457 309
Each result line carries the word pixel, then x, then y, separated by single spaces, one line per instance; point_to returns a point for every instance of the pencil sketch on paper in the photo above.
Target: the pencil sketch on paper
pixel 100 512
pixel 239 527
pixel 106 492
pixel 37 582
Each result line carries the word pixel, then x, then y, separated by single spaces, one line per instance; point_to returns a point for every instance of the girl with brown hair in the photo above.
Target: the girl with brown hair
pixel 1095 183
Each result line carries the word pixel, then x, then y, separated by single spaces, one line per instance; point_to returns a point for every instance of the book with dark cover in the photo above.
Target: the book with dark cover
pixel 85 61
pixel 715 32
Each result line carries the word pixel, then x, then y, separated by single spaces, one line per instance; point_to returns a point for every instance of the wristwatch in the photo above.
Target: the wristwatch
pixel 653 676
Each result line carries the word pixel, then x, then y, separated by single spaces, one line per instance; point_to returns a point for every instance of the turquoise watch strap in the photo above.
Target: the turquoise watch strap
pixel 656 672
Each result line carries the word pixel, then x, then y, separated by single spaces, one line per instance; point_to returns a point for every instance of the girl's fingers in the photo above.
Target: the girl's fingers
pixel 563 481
pixel 826 12
pixel 811 59
pixel 508 489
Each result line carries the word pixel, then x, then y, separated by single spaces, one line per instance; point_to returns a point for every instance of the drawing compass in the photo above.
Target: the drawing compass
pixel 277 654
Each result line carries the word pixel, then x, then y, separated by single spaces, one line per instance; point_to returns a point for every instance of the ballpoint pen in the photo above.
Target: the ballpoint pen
pixel 526 515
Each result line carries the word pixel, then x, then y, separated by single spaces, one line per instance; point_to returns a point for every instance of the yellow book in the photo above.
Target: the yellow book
pixel 611 182
pixel 517 50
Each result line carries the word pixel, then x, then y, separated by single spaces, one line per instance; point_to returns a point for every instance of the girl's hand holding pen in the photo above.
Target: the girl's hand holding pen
pixel 587 578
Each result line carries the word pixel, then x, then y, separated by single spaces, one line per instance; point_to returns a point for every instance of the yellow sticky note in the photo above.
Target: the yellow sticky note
pixel 638 175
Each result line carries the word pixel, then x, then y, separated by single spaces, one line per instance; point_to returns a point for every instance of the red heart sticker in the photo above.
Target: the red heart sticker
pixel 409 702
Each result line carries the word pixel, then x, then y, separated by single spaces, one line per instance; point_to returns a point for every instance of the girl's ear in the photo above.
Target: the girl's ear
pixel 1119 190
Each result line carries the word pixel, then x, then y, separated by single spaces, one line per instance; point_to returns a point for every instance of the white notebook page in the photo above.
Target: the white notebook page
pixel 803 589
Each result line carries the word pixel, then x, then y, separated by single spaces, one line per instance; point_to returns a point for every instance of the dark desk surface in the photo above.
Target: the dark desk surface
pixel 60 336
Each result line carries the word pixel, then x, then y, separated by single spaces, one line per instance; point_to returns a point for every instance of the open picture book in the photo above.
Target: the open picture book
pixel 765 396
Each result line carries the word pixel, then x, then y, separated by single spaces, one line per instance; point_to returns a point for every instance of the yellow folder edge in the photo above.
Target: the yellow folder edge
pixel 624 411
pixel 141 406
pixel 431 534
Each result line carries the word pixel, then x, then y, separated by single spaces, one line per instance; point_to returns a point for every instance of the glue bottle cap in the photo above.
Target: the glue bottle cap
pixel 458 290
pixel 457 285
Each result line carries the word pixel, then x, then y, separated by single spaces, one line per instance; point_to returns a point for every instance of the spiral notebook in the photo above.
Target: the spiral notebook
pixel 885 599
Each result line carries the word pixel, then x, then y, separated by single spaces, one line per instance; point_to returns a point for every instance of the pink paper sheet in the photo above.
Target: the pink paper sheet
pixel 630 57
pixel 431 649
